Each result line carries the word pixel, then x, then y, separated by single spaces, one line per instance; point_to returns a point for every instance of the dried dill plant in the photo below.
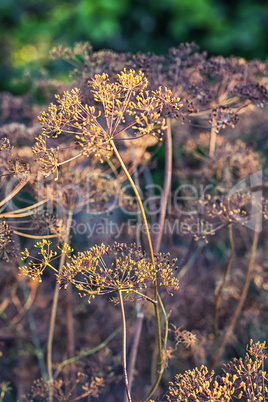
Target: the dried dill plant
pixel 216 90
pixel 126 107
pixel 242 379
pixel 67 389
pixel 7 246
pixel 132 271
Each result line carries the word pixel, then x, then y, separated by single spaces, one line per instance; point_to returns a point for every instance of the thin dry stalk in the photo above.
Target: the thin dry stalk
pixel 124 345
pixel 167 184
pixel 139 313
pixel 70 327
pixel 219 291
pixel 156 295
pixel 213 136
pixel 134 348
pixel 54 312
pixel 240 305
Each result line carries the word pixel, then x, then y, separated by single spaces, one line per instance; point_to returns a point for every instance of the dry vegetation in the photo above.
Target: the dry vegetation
pixel 133 231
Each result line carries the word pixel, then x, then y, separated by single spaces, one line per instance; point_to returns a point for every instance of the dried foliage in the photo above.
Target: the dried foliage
pixel 241 379
pixel 83 201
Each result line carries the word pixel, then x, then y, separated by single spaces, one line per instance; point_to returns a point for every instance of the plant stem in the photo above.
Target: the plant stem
pixel 241 302
pixel 138 199
pixel 218 295
pixel 213 135
pixel 124 344
pixel 53 313
pixel 70 327
pixel 34 236
pixel 157 314
pixel 50 339
pixel 90 351
pixel 134 348
pixel 167 184
pixel 139 307
pixel 13 192
pixel 164 202
pixel 22 212
pixel 36 342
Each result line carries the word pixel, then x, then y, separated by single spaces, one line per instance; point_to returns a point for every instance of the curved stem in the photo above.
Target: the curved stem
pixel 167 183
pixel 139 307
pixel 138 199
pixel 124 344
pixel 166 320
pixel 157 314
pixel 22 212
pixel 13 192
pixel 34 236
pixel 145 296
pixel 69 160
pixel 218 295
pixel 53 313
pixel 164 202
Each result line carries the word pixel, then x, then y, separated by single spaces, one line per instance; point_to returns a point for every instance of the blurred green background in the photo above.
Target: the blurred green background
pixel 30 28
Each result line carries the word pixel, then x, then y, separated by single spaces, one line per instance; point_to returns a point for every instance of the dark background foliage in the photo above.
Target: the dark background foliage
pixel 30 28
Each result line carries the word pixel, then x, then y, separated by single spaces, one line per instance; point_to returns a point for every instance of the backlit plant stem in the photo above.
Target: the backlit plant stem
pixel 54 311
pixel 13 192
pixel 213 136
pixel 139 307
pixel 22 212
pixel 70 327
pixel 157 313
pixel 164 202
pixel 134 348
pixel 138 199
pixel 167 184
pixel 33 236
pixel 124 345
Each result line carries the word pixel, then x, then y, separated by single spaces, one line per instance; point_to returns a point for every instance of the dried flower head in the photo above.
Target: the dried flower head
pixel 7 246
pixel 125 105
pixel 231 160
pixel 200 385
pixel 94 273
pixel 4 143
pixel 36 266
pixel 46 223
pixel 248 374
pixel 66 389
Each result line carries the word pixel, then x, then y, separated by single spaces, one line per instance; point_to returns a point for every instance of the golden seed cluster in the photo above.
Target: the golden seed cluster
pixel 124 106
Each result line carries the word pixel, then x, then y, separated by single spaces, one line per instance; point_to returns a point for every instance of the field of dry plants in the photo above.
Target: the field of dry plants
pixel 133 232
